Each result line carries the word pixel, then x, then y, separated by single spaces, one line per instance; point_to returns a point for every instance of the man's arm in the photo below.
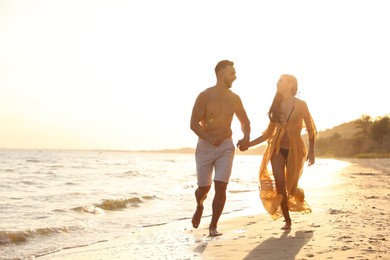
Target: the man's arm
pixel 245 123
pixel 197 115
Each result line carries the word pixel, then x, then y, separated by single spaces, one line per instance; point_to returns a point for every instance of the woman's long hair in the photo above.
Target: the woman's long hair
pixel 274 112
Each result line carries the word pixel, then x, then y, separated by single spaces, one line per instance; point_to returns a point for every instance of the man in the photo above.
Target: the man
pixel 211 120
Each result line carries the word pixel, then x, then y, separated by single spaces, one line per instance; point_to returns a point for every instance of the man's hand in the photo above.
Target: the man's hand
pixel 243 144
pixel 216 141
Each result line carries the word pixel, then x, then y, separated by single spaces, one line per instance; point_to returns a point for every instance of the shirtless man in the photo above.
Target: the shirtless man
pixel 211 120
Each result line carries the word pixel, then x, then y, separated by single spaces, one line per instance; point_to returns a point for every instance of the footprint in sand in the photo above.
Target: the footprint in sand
pixel 337 211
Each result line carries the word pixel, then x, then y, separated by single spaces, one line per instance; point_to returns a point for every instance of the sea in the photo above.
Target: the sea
pixel 54 200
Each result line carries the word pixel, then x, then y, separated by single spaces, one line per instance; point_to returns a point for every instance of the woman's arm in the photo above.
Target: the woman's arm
pixel 312 133
pixel 265 136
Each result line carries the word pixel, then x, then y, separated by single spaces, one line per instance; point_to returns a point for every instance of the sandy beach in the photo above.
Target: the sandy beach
pixel 350 220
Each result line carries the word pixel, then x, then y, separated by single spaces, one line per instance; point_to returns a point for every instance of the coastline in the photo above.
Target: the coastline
pixel 349 220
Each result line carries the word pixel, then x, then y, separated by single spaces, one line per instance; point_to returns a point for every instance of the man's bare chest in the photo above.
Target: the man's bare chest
pixel 220 107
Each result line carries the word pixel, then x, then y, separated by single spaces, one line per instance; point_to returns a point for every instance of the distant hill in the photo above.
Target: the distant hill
pixel 363 138
pixel 345 130
pixel 341 140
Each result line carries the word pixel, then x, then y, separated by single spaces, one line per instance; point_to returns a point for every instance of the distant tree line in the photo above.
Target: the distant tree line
pixel 372 137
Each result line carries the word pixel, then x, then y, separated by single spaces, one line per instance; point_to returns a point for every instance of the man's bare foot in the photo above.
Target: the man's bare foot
pixel 287 225
pixel 214 233
pixel 197 216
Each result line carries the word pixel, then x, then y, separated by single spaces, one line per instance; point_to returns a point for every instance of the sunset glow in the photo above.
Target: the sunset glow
pixel 125 74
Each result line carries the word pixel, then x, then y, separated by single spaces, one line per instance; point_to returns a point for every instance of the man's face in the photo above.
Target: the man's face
pixel 229 76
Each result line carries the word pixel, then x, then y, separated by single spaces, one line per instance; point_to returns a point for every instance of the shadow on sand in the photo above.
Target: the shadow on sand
pixel 283 247
pixel 200 248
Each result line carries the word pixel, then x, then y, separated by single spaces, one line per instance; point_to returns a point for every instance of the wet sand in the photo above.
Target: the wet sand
pixel 350 220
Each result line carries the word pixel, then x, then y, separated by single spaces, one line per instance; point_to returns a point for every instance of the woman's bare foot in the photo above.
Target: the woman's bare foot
pixel 197 216
pixel 287 225
pixel 214 233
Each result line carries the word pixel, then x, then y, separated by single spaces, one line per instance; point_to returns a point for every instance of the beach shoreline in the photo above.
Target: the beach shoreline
pixel 349 221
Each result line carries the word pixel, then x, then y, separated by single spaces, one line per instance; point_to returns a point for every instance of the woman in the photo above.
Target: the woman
pixel 286 151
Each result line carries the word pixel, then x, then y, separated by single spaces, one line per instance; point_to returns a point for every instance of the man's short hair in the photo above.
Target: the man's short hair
pixel 223 64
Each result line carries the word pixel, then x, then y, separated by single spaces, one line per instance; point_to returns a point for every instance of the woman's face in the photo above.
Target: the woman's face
pixel 283 86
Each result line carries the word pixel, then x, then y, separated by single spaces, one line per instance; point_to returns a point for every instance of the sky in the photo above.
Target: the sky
pixel 106 74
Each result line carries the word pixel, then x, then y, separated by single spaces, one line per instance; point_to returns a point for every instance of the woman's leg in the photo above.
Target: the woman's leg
pixel 278 162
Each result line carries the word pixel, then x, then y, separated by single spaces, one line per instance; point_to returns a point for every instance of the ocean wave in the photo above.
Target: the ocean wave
pixel 32 161
pixel 89 209
pixel 69 247
pixel 130 173
pixel 118 204
pixel 149 197
pixel 15 237
pixel 55 167
pixel 113 204
pixel 29 182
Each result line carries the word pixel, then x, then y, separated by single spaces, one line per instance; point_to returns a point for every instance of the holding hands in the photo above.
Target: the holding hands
pixel 243 144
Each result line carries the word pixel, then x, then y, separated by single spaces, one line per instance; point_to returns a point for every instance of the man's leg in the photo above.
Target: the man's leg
pixel 218 205
pixel 200 196
pixel 223 170
pixel 278 163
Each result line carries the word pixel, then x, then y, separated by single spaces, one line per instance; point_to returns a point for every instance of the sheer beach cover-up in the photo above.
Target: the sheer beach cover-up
pixel 299 118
